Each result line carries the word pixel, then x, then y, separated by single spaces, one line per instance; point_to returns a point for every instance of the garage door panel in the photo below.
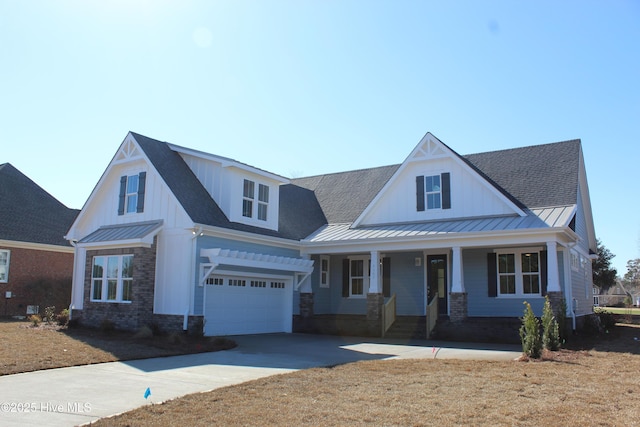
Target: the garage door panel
pixel 236 310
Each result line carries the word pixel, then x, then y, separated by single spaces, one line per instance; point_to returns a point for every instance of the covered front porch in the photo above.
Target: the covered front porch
pixel 413 290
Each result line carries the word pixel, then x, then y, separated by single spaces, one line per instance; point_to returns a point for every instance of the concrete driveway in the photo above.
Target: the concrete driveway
pixel 81 394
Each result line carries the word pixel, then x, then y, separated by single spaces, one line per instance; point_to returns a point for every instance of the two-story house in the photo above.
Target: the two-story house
pixel 191 240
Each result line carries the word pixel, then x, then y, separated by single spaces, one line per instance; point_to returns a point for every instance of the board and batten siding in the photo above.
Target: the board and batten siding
pixel 470 197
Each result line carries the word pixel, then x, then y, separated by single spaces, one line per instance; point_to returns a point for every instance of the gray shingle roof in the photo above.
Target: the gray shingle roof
pixel 30 214
pixel 532 177
pixel 300 214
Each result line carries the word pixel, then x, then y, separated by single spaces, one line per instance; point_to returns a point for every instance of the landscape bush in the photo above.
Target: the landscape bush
pixel 530 333
pixel 550 332
pixel 63 317
pixel 35 320
pixel 49 314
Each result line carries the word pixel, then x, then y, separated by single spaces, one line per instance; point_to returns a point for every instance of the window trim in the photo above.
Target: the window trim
pixel 6 265
pixel 104 280
pixel 437 193
pixel 519 273
pixel 325 274
pixel 131 195
pixel 255 206
pixel 366 277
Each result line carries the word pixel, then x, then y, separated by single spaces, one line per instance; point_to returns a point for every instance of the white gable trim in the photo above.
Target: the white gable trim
pixel 135 153
pixel 431 147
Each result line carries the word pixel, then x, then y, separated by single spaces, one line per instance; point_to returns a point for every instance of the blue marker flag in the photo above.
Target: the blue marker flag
pixel 147 393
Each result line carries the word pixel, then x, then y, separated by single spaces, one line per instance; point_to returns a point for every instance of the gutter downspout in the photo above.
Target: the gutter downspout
pixel 75 265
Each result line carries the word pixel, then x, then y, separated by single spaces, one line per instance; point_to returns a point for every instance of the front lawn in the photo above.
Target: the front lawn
pixel 25 348
pixel 596 382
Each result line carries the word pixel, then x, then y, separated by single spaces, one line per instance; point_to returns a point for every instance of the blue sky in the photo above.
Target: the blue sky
pixel 310 87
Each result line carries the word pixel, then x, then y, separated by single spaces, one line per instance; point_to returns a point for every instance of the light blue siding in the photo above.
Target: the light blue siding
pixel 477 287
pixel 407 282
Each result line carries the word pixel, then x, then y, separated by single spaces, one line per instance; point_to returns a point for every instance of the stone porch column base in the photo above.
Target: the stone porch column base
pixel 458 306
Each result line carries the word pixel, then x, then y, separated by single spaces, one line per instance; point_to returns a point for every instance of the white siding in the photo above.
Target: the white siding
pixel 470 195
pixel 174 272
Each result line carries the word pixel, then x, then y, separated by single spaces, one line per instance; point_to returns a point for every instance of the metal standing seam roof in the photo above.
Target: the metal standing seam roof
pixel 131 231
pixel 558 216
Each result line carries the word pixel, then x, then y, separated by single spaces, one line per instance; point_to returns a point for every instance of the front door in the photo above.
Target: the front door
pixel 437 281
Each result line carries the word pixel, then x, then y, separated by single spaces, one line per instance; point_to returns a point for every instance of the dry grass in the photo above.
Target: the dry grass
pixel 25 348
pixel 595 383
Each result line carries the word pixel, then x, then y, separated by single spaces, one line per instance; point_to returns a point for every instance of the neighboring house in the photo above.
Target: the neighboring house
pixel 36 262
pixel 184 239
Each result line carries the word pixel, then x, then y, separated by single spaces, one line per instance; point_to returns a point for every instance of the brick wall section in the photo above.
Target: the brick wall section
pixel 139 311
pixel 306 304
pixel 457 306
pixel 30 266
pixel 375 303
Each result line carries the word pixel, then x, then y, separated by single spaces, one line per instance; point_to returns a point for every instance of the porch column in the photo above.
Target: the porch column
pixel 553 277
pixel 458 296
pixel 306 296
pixel 374 279
pixel 375 299
pixel 457 283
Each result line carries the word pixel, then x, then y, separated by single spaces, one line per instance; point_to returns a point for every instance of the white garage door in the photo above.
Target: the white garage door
pixel 237 305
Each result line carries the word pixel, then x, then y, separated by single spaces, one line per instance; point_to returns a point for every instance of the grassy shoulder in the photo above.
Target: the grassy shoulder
pixel 27 348
pixel 592 382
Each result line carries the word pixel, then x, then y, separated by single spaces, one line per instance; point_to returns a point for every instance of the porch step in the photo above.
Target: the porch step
pixel 414 327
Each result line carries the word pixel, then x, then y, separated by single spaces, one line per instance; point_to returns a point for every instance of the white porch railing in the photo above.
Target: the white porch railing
pixel 388 314
pixel 432 315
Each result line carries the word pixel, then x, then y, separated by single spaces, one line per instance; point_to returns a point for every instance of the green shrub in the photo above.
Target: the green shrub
pixel 530 333
pixel 50 314
pixel 63 317
pixel 35 320
pixel 550 333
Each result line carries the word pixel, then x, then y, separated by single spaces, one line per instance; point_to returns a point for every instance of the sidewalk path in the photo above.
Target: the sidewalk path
pixel 81 394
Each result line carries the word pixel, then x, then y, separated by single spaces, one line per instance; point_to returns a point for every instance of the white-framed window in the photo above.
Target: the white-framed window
pixel 433 189
pixel 324 271
pixel 131 196
pixel 519 273
pixel 359 270
pixel 250 209
pixel 112 278
pixel 5 256
pixel 575 261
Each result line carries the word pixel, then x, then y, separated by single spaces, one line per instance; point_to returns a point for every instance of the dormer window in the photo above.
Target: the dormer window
pixel 251 209
pixel 433 189
pixel 131 197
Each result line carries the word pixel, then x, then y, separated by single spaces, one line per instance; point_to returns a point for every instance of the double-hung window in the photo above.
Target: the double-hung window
pixel 433 190
pixel 255 205
pixel 519 273
pixel 112 278
pixel 4 266
pixel 359 269
pixel 132 193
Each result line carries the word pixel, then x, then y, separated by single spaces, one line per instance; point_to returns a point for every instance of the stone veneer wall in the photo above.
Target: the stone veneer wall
pixel 139 311
pixel 458 310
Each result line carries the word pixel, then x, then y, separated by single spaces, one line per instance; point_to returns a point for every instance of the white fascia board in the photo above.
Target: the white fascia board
pixel 131 243
pixel 474 240
pixel 451 154
pixel 226 162
pixel 586 202
pixel 213 231
pixel 9 244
